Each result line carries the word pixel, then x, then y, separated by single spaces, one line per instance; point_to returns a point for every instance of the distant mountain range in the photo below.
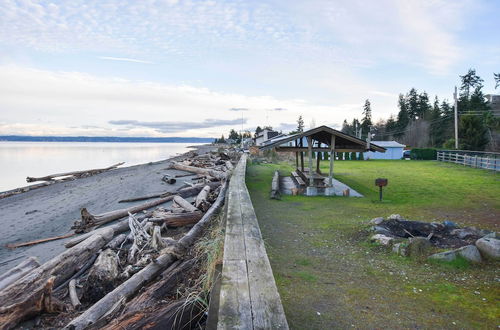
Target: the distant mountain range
pixel 104 139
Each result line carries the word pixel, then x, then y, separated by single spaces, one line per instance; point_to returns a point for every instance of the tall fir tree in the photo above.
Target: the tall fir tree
pixel 300 124
pixel 496 76
pixel 412 103
pixel 366 121
pixel 472 133
pixel 403 116
pixel 423 106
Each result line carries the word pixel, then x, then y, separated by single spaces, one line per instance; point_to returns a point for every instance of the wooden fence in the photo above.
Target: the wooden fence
pixel 486 160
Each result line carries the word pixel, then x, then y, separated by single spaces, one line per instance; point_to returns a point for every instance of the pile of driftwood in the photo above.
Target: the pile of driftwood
pixel 103 269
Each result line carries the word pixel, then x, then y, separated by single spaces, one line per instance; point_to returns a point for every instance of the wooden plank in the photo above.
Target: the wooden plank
pixel 267 310
pixel 235 310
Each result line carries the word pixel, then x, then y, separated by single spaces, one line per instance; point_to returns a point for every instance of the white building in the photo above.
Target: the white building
pixel 394 150
pixel 265 135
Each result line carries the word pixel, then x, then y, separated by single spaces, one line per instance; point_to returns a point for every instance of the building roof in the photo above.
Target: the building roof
pixel 389 144
pixel 323 134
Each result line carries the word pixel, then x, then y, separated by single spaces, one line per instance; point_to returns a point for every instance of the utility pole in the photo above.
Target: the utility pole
pixel 456 118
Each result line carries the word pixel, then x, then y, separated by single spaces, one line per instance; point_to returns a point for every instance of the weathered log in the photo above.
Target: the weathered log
pixel 180 314
pixel 102 277
pixel 130 287
pixel 275 186
pixel 179 219
pixel 38 241
pixel 116 242
pixel 184 204
pixel 118 228
pixel 216 174
pixel 17 272
pixel 73 296
pixel 201 199
pixel 89 220
pixel 31 294
pixel 74 173
pixel 124 290
pixel 229 165
pixel 21 190
pixel 136 199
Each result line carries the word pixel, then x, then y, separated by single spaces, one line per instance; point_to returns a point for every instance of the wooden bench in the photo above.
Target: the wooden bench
pixel 297 179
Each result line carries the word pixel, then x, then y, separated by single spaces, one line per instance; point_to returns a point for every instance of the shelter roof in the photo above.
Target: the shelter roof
pixel 323 134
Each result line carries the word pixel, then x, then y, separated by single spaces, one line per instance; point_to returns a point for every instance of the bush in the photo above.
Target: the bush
pixel 346 156
pixel 353 156
pixel 361 156
pixel 326 155
pixel 340 155
pixel 423 154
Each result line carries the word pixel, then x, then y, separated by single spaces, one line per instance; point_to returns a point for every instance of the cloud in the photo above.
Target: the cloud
pixel 381 93
pixel 238 109
pixel 278 109
pixel 124 59
pixel 179 126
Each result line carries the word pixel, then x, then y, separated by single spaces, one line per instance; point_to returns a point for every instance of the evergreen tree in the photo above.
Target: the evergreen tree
pixel 412 103
pixel 434 118
pixel 353 155
pixel 345 127
pixel 391 126
pixel 470 81
pixel 234 136
pixel 258 130
pixel 366 122
pixel 423 106
pixel 403 116
pixel 496 76
pixel 472 133
pixel 300 125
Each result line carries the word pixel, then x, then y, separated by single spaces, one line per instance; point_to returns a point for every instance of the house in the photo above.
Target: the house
pixel 265 135
pixel 394 150
pixel 493 101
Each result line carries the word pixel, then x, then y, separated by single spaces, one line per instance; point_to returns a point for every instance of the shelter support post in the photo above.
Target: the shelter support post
pixel 318 161
pixel 309 147
pixel 296 156
pixel 332 158
pixel 301 155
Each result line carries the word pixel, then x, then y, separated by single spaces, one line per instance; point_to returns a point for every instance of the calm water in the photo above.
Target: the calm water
pixel 21 159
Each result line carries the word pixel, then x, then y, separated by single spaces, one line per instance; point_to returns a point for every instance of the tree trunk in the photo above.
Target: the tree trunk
pixel 17 272
pixel 184 204
pixel 31 294
pixel 102 277
pixel 199 170
pixel 179 219
pixel 75 173
pixel 201 202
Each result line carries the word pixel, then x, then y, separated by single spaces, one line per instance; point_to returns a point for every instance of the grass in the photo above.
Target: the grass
pixel 330 276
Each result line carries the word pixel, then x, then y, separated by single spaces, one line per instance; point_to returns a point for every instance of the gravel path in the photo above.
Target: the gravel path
pixel 50 211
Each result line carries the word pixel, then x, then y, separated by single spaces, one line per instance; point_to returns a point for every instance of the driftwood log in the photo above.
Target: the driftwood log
pixel 199 170
pixel 181 202
pixel 180 314
pixel 38 241
pixel 275 186
pixel 142 198
pixel 102 276
pixel 118 228
pixel 31 294
pixel 137 281
pixel 178 219
pixel 201 200
pixel 89 220
pixel 17 272
pixel 73 296
pixel 74 173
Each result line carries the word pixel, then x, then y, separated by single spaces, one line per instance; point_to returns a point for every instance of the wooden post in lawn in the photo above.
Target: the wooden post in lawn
pixel 332 157
pixel 296 156
pixel 310 149
pixel 318 159
pixel 302 155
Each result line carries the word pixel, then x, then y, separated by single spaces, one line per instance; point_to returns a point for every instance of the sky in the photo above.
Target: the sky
pixel 200 68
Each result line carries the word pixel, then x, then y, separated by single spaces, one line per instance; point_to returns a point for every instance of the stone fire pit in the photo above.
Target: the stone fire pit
pixel 418 238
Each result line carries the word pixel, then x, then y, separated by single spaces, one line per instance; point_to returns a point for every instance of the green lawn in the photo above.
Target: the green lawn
pixel 329 276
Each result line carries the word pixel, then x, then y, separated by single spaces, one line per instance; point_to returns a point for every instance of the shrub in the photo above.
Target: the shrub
pixel 423 154
pixel 340 155
pixel 361 156
pixel 326 155
pixel 353 156
pixel 346 156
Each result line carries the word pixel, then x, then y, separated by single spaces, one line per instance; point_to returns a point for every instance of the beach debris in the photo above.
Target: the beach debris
pixel 74 174
pixel 17 272
pixel 275 186
pixel 104 269
pixel 168 179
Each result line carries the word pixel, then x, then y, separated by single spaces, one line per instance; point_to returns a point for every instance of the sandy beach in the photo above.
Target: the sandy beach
pixel 51 211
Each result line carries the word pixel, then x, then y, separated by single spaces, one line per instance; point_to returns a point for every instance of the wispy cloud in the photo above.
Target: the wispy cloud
pixel 178 126
pixel 238 109
pixel 124 59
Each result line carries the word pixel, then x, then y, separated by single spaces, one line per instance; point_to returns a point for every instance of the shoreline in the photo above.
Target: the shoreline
pixel 41 213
